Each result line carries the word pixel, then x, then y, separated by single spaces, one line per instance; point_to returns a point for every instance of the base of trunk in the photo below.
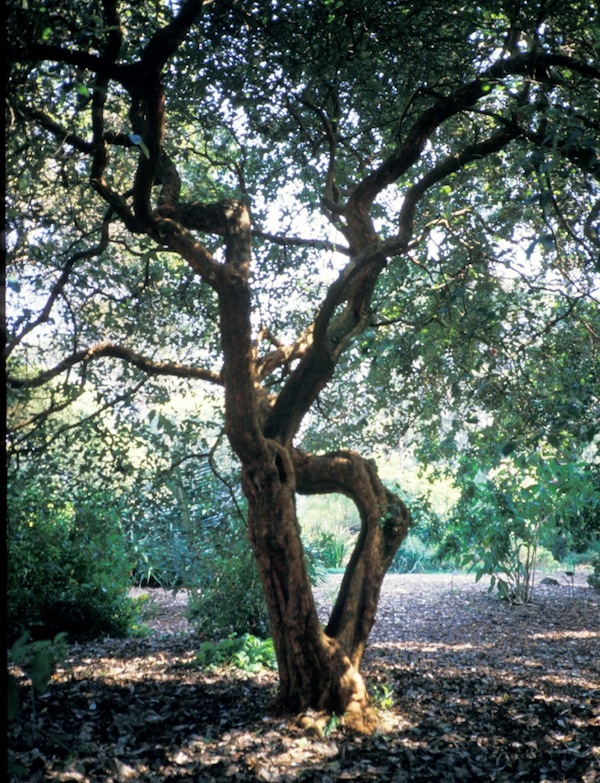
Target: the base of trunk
pixel 335 688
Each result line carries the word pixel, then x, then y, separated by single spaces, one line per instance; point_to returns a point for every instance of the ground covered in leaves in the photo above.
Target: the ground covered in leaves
pixel 469 688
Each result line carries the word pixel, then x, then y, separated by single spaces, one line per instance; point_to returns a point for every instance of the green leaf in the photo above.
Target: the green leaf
pixel 42 668
pixel 12 696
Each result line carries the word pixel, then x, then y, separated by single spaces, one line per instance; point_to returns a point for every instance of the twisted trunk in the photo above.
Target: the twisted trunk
pixel 318 667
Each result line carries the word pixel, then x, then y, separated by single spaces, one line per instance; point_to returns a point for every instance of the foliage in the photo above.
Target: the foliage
pixel 329 525
pixel 382 695
pixel 503 515
pixel 248 653
pixel 186 503
pixel 229 598
pixel 37 659
pixel 331 546
pixel 67 569
pixel 161 557
pixel 416 555
pixel 317 570
pixel 162 553
pixel 594 577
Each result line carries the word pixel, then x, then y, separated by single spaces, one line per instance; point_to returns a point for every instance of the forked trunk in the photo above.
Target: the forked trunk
pixel 319 668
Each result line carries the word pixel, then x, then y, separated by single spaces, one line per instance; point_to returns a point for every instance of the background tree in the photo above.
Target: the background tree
pixel 507 513
pixel 303 204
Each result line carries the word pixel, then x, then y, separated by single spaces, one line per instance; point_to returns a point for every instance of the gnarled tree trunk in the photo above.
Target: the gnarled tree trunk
pixel 319 667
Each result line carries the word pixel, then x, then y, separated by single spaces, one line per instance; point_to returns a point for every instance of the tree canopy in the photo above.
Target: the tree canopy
pixel 353 220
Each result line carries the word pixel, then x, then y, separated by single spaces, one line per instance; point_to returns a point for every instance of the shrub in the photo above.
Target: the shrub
pixel 594 578
pixel 415 555
pixel 37 661
pixel 317 570
pixel 247 652
pixel 546 560
pixel 162 556
pixel 229 599
pixel 330 546
pixel 507 511
pixel 67 571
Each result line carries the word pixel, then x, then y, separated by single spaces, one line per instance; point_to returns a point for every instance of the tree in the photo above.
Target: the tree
pixel 298 198
pixel 506 513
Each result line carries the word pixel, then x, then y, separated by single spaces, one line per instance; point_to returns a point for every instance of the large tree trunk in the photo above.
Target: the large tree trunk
pixel 318 667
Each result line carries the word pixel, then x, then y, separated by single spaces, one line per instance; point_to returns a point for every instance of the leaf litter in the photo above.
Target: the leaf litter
pixel 469 689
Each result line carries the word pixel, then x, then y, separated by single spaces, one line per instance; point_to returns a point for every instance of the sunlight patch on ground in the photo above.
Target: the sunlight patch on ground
pixel 560 636
pixel 429 647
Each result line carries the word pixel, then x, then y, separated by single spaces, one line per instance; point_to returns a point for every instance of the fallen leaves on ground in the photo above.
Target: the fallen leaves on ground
pixel 473 690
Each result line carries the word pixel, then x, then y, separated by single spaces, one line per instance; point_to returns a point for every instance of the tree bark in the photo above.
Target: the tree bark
pixel 319 668
pixel 385 521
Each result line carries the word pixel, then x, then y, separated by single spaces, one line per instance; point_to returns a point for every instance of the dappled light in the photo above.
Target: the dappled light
pixel 262 252
pixel 466 688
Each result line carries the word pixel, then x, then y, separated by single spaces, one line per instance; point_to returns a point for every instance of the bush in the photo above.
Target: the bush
pixel 37 661
pixel 545 560
pixel 317 570
pixel 247 652
pixel 229 599
pixel 67 571
pixel 594 578
pixel 330 547
pixel 162 556
pixel 415 555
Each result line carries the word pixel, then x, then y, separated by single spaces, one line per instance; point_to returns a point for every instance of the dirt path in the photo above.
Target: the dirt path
pixel 473 690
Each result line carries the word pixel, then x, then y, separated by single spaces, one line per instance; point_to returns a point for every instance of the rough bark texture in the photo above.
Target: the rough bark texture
pixel 319 668
pixel 384 524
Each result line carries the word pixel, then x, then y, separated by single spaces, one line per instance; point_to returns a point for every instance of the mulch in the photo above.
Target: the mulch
pixel 469 688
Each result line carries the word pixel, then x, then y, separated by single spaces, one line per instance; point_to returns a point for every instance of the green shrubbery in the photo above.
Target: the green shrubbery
pixel 330 546
pixel 37 660
pixel 162 556
pixel 246 652
pixel 416 556
pixel 67 570
pixel 229 597
pixel 517 516
pixel 594 577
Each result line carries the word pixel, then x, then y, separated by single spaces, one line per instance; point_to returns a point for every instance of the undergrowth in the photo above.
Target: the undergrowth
pixel 247 652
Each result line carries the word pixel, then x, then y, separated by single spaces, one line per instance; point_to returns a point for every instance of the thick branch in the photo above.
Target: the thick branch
pixel 112 350
pixel 385 521
pixel 176 237
pixel 450 165
pixel 283 355
pixel 465 97
pixel 331 336
pixel 148 103
pixel 242 417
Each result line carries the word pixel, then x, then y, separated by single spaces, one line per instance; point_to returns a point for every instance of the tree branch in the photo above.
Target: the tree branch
pixel 285 241
pixel 103 350
pixel 385 521
pixel 60 284
pixel 410 148
pixel 450 165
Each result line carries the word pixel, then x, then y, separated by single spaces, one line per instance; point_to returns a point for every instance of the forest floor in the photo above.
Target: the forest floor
pixel 469 688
